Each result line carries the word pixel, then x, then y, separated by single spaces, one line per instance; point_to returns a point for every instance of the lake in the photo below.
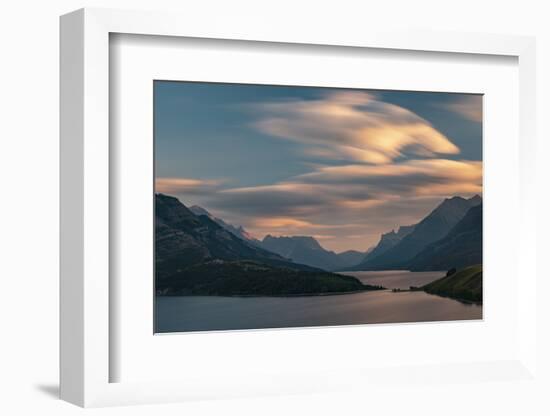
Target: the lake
pixel 209 313
pixel 396 279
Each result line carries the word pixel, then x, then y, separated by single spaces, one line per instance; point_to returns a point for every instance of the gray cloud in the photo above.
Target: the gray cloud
pixel 336 201
pixel 186 186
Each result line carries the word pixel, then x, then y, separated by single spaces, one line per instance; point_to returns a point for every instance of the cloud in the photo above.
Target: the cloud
pixel 391 170
pixel 357 199
pixel 328 190
pixel 281 199
pixel 363 205
pixel 469 107
pixel 179 186
pixel 335 201
pixel 434 177
pixel 281 222
pixel 353 126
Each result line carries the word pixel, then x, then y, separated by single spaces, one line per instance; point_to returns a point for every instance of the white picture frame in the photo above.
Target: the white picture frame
pixel 86 219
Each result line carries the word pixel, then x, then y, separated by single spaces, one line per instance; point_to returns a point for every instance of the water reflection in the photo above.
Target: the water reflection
pixel 207 313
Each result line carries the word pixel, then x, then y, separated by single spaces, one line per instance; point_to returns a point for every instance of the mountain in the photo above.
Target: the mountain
pixel 388 241
pixel 183 238
pixel 294 248
pixel 194 255
pixel 350 258
pixel 432 228
pixel 307 250
pixel 465 285
pixel 461 247
pixel 303 250
pixel 236 231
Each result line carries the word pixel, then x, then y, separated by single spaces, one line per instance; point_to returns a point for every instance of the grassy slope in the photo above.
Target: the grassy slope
pixel 465 284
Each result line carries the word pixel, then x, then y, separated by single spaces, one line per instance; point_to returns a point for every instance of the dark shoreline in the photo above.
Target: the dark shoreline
pixel 297 295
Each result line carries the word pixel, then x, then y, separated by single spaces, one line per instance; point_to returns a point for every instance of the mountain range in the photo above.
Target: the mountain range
pixel 307 250
pixel 461 247
pixel 236 231
pixel 194 255
pixel 183 238
pixel 435 226
pixel 388 241
pixel 297 249
pixel 198 253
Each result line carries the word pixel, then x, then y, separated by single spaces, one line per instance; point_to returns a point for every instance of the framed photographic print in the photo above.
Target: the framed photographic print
pixel 273 212
pixel 288 206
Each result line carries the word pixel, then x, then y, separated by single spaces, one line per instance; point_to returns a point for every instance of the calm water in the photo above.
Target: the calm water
pixel 396 279
pixel 207 313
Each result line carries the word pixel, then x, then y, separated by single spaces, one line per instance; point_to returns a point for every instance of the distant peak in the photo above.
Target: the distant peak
pixel 476 198
pixel 452 201
pixel 290 237
pixel 455 198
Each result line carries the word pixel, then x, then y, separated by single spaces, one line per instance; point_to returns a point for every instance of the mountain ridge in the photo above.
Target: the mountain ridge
pixel 307 250
pixel 237 231
pixel 299 249
pixel 431 228
pixel 461 247
pixel 389 240
pixel 194 255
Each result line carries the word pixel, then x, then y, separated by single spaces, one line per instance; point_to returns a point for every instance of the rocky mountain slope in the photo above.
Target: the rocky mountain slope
pixel 432 228
pixel 461 247
pixel 236 231
pixel 388 241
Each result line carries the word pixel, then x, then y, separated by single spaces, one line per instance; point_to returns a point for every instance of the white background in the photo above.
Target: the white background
pixel 29 209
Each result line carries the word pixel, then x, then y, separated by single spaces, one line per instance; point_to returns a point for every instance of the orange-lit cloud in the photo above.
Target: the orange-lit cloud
pixel 358 199
pixel 178 186
pixel 361 204
pixel 411 174
pixel 468 106
pixel 281 222
pixel 354 126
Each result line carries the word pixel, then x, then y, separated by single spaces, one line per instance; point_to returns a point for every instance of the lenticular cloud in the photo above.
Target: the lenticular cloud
pixel 353 126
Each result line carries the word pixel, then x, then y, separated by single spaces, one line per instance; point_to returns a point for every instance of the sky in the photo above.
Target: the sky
pixel 341 165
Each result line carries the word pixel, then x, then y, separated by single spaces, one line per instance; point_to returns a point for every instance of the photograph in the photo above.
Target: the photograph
pixel 280 206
